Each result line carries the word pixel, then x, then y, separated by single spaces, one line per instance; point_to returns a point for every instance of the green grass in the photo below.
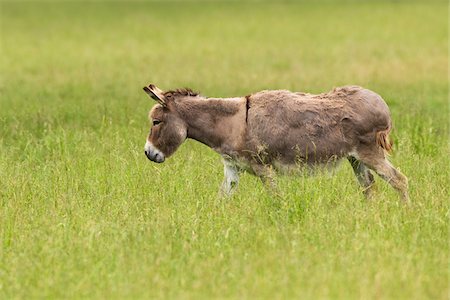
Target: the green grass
pixel 83 214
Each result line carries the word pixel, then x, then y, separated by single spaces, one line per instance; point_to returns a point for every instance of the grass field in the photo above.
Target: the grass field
pixel 84 214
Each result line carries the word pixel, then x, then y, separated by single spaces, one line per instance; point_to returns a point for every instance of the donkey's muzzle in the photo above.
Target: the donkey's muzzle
pixel 154 156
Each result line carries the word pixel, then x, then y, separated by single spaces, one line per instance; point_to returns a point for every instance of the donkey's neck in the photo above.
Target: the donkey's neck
pixel 216 122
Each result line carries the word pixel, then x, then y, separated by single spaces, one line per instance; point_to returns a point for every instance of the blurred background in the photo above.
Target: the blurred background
pixel 83 214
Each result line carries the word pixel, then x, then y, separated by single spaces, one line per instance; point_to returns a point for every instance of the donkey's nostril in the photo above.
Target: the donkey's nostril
pixel 159 158
pixel 152 153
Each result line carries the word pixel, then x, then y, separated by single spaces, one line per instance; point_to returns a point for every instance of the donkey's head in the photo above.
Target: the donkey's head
pixel 168 129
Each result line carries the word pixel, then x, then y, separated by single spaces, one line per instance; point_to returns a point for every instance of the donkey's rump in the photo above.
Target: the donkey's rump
pixel 366 115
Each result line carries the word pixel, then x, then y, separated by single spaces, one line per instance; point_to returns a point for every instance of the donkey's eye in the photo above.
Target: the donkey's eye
pixel 156 122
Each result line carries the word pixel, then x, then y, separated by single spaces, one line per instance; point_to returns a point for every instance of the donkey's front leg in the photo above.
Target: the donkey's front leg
pixel 268 177
pixel 231 180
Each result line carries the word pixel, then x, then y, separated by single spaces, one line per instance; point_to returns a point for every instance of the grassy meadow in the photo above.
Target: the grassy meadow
pixel 84 214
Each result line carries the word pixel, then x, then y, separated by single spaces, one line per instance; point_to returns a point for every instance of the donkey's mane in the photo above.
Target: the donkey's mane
pixel 180 92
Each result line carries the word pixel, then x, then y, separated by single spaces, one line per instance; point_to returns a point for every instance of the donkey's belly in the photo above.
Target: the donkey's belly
pixel 284 166
pixel 299 168
pixel 311 154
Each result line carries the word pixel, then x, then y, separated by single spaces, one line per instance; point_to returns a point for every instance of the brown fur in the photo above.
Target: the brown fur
pixel 384 141
pixel 282 129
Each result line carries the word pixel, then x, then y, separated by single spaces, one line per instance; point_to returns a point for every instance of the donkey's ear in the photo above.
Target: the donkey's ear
pixel 156 94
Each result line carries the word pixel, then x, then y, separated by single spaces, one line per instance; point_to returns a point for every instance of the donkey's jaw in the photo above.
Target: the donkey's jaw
pixel 153 153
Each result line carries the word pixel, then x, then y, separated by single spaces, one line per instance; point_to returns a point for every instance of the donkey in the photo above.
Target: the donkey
pixel 276 131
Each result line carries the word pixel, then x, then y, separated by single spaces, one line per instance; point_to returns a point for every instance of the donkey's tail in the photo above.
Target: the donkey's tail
pixel 383 140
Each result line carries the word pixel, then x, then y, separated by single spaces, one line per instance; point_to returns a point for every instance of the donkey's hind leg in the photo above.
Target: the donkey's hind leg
pixel 394 177
pixel 389 173
pixel 362 173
